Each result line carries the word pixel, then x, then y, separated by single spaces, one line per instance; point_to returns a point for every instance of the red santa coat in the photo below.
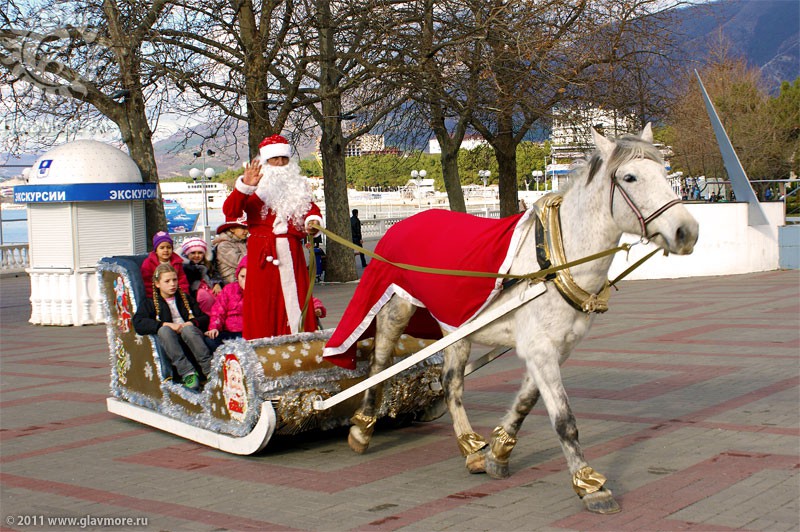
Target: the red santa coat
pixel 275 294
pixel 435 239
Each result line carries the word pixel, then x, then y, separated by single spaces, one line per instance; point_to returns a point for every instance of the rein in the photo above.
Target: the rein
pixel 534 277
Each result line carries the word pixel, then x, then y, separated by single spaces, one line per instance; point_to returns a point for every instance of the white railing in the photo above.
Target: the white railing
pixel 14 258
pixel 375 228
pixel 179 238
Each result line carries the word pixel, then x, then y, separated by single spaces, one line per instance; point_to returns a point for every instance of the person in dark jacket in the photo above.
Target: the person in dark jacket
pixel 173 315
pixel 355 228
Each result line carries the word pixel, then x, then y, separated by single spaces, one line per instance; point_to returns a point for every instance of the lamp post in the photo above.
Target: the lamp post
pixel 418 176
pixel 537 176
pixel 204 176
pixel 484 175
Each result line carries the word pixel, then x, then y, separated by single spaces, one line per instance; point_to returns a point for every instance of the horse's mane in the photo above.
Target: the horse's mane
pixel 627 148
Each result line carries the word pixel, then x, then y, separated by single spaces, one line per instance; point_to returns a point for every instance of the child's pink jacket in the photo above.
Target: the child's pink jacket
pixel 226 314
pixel 151 263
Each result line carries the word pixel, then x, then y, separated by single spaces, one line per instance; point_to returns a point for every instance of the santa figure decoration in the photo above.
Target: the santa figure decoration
pixel 233 389
pixel 276 198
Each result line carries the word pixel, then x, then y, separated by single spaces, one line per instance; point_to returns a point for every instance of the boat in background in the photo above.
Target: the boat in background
pixel 178 220
pixel 190 195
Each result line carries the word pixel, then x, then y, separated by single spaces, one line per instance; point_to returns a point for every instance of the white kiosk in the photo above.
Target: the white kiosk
pixel 85 201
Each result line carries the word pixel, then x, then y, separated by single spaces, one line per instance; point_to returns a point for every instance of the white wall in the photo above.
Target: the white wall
pixel 726 245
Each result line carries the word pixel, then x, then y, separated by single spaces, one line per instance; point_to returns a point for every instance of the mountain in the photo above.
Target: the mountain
pixel 765 32
pixel 175 153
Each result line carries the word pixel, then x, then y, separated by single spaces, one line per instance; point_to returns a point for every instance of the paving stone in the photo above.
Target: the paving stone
pixel 685 395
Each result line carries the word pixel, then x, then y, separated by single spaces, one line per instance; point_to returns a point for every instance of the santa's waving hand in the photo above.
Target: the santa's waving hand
pixel 277 200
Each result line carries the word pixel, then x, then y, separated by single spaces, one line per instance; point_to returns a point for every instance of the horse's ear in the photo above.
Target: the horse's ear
pixel 603 144
pixel 647 133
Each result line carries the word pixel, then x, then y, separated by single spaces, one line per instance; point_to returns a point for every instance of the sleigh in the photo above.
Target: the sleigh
pixel 257 388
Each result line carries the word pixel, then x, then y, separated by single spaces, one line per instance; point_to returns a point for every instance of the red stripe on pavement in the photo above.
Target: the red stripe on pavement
pixel 73 445
pixel 649 507
pixel 146 506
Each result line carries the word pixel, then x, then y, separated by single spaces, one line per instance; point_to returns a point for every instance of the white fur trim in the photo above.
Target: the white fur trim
pixel 280 227
pixel 314 218
pixel 291 300
pixel 243 188
pixel 391 290
pixel 275 150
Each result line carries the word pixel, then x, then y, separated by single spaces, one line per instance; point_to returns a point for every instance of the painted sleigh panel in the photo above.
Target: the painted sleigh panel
pixel 256 388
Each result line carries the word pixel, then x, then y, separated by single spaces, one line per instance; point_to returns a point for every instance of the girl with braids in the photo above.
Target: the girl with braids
pixel 176 319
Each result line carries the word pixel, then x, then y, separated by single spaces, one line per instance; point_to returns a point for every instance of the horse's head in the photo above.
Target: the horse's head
pixel 641 200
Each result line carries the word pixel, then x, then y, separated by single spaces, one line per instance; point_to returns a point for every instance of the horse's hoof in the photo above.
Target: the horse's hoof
pixel 495 468
pixel 601 502
pixel 475 463
pixel 356 445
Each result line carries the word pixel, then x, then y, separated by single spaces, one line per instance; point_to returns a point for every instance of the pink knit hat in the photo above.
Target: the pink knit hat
pixel 193 244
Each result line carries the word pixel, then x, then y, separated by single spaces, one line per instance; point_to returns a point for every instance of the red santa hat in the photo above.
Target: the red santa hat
pixel 232 222
pixel 274 146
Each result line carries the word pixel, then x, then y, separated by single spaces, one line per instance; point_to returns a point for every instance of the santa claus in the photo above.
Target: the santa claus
pixel 277 200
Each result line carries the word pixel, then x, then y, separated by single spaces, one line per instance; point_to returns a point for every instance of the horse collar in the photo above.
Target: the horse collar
pixel 550 251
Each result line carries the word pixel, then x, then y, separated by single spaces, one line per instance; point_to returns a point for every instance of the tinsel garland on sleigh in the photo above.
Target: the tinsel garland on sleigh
pixel 291 394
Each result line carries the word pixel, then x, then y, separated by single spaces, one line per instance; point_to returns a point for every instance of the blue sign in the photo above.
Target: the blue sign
pixel 44 167
pixel 84 192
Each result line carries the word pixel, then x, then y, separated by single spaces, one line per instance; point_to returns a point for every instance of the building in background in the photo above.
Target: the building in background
pixel 469 143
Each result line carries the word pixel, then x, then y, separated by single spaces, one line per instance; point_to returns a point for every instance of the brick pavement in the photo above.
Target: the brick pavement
pixel 685 392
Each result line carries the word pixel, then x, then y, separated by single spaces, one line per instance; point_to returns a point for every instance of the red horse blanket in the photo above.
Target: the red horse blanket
pixel 436 239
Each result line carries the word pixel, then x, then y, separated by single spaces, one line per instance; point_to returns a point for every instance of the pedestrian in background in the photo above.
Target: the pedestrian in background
pixel 355 229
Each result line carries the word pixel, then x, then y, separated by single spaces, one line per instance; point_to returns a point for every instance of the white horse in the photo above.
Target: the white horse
pixel 622 188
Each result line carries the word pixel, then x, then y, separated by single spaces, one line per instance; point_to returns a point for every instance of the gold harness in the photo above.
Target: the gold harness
pixel 550 252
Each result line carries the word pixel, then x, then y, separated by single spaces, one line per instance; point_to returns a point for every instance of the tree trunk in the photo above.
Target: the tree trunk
pixel 452 180
pixel 341 265
pixel 137 136
pixel 506 154
pixel 449 157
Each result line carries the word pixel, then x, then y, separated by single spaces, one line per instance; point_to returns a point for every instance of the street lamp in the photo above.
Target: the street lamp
pixel 205 177
pixel 537 176
pixel 484 175
pixel 421 174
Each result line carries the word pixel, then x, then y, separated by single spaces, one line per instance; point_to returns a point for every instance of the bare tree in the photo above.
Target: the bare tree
pixel 238 62
pixel 352 79
pixel 762 143
pixel 541 55
pixel 88 58
pixel 447 84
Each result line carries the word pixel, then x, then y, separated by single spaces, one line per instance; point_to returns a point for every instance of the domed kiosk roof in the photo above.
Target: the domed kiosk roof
pixel 84 161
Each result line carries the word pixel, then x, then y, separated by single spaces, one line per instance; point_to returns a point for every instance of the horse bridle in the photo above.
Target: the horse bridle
pixel 636 211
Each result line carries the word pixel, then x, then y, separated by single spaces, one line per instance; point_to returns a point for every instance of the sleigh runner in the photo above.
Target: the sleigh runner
pixel 256 388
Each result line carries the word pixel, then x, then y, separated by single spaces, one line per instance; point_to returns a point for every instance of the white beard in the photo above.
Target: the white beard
pixel 286 192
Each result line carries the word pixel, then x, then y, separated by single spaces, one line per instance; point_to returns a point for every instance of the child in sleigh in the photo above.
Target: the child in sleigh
pixel 227 319
pixel 177 321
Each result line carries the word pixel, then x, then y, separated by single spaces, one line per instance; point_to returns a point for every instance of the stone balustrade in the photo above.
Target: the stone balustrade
pixel 14 258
